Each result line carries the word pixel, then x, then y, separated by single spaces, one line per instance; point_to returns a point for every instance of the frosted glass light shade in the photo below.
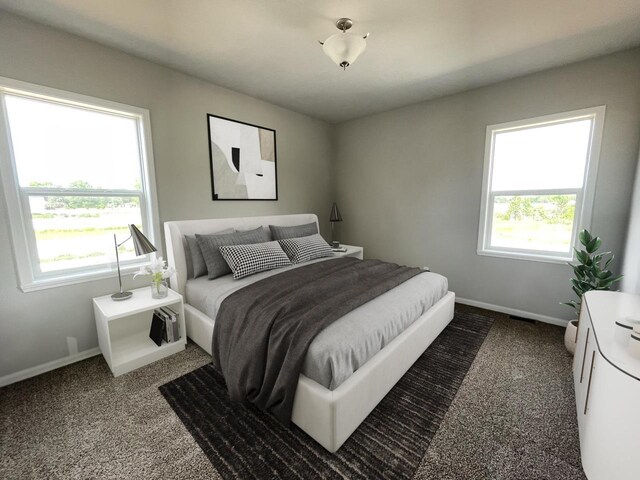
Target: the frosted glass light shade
pixel 344 48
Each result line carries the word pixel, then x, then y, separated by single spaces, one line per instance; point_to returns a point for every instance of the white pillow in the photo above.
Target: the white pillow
pixel 245 260
pixel 303 249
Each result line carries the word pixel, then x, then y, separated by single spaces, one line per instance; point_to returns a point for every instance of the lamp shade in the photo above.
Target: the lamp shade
pixel 335 214
pixel 141 243
pixel 344 48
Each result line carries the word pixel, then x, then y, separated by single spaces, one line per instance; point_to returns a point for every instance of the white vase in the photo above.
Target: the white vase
pixel 570 336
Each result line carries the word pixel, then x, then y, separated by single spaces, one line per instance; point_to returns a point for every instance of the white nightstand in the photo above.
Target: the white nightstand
pixel 123 329
pixel 352 251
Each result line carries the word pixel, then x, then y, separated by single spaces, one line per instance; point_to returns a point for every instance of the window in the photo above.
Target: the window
pixel 76 171
pixel 538 187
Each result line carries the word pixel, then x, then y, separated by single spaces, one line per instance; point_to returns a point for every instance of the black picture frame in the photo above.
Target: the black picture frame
pixel 215 196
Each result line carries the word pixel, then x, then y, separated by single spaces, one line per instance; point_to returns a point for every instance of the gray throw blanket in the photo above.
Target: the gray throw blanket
pixel 262 332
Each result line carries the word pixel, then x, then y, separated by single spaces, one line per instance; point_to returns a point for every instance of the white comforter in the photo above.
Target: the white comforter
pixel 348 343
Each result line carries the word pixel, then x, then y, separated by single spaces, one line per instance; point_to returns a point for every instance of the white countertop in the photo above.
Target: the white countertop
pixel 605 308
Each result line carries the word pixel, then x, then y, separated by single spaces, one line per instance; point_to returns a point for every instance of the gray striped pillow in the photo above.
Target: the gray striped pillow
pixel 303 249
pixel 195 260
pixel 280 233
pixel 210 244
pixel 245 260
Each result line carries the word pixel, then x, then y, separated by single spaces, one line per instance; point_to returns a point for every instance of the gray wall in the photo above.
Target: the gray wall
pixel 409 181
pixel 34 326
pixel 631 266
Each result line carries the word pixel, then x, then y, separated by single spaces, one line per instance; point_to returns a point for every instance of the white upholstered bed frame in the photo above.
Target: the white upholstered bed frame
pixel 328 416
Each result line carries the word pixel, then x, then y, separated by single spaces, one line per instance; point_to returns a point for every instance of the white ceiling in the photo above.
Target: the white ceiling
pixel 418 49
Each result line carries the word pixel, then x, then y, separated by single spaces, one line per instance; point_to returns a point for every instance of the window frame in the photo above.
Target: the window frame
pixel 26 260
pixel 584 196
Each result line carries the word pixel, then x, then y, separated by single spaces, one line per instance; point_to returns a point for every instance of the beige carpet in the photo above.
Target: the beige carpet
pixel 513 418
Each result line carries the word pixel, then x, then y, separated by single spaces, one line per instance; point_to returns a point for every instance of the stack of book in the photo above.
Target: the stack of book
pixel 339 249
pixel 164 326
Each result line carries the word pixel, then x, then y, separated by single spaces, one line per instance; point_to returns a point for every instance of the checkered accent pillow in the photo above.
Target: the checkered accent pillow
pixel 303 249
pixel 245 260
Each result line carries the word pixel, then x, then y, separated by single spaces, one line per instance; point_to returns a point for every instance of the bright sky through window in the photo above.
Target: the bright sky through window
pixel 545 157
pixel 59 144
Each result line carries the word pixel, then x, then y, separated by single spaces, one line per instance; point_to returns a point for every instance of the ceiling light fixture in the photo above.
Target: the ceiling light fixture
pixel 344 48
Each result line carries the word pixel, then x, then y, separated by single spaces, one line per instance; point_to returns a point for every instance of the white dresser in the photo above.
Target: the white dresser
pixel 607 384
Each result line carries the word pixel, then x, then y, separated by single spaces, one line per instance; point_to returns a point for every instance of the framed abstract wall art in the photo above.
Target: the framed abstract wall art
pixel 243 160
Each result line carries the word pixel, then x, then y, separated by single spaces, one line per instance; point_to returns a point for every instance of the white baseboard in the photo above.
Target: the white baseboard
pixel 46 367
pixel 513 311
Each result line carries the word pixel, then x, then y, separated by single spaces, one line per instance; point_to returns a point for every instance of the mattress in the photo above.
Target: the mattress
pixel 348 343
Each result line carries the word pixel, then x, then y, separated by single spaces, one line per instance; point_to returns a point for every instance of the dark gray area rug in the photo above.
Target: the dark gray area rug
pixel 242 442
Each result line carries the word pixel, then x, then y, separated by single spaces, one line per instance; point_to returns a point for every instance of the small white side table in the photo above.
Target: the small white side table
pixel 352 251
pixel 123 329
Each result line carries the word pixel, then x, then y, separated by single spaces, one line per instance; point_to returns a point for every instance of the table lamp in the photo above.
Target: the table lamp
pixel 142 246
pixel 333 218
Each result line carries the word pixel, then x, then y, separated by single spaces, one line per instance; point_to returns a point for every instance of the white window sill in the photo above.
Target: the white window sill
pixel 65 280
pixel 532 257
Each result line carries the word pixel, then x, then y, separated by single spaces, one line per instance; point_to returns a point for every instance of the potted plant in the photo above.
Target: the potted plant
pixel 590 274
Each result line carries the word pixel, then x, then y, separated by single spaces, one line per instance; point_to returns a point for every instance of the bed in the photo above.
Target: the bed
pixel 337 389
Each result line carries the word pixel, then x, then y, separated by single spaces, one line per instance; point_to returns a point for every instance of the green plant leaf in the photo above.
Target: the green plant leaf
pixel 583 257
pixel 616 279
pixel 576 251
pixel 593 245
pixel 606 284
pixel 572 304
pixel 608 262
pixel 580 274
pixel 585 237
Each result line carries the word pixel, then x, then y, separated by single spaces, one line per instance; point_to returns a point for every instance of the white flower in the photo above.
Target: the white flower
pixel 157 265
pixel 141 271
pixel 168 272
pixel 157 268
